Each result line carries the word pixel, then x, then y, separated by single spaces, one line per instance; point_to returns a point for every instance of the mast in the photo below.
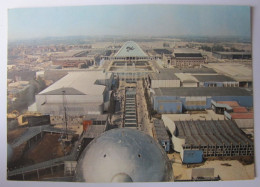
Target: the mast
pixel 65 114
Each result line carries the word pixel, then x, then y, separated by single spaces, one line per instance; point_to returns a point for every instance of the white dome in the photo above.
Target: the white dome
pixel 123 155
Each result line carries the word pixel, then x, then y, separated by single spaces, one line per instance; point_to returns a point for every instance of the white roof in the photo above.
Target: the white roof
pixel 186 77
pixel 80 83
pixel 130 49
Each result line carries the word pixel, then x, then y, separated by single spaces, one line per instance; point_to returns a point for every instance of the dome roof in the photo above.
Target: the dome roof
pixel 123 155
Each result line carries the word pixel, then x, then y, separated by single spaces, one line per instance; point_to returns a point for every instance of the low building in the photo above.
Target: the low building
pixel 177 100
pixel 163 79
pixel 79 93
pixel 195 140
pixel 216 81
pixel 187 80
pixel 241 73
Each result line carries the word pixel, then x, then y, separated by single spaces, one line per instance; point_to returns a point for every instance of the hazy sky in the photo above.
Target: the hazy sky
pixel 131 20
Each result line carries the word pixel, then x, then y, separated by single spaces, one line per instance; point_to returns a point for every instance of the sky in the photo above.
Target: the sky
pixel 129 20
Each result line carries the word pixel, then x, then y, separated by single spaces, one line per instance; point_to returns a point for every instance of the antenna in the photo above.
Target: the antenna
pixel 65 114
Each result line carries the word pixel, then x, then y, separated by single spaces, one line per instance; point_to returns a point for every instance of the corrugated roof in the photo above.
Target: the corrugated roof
pixel 211 133
pixel 202 91
pixel 213 78
pixel 130 49
pixel 240 110
pixel 242 115
pixel 160 130
pixel 80 82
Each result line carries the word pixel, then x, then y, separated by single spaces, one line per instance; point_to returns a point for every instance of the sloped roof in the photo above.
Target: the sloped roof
pixel 130 49
pixel 66 91
pixel 78 83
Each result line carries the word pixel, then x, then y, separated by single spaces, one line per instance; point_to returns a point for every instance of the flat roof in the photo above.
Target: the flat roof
pixel 213 78
pixel 232 53
pixel 179 55
pixel 186 77
pixel 78 82
pixel 185 50
pixel 198 70
pixel 239 72
pixel 202 91
pixel 163 75
pixel 212 133
pixel 130 49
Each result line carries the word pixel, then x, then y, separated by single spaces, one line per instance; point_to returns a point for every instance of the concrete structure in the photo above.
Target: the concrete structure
pixel 130 115
pixel 177 100
pixel 80 93
pixel 196 140
pixel 123 155
pixel 160 133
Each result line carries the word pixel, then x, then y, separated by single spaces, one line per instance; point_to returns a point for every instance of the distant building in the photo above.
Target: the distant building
pixel 80 93
pixel 242 73
pixel 232 55
pixel 216 81
pixel 177 100
pixel 130 51
pixel 184 58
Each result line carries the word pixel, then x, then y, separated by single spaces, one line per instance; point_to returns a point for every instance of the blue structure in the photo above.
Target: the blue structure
pixel 177 100
pixel 192 156
pixel 216 81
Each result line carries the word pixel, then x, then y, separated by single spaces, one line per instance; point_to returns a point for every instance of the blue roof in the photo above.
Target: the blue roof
pixel 130 49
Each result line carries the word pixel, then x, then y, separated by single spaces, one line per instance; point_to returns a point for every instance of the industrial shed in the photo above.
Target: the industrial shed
pixel 216 81
pixel 196 140
pixel 80 93
pixel 160 133
pixel 163 79
pixel 177 100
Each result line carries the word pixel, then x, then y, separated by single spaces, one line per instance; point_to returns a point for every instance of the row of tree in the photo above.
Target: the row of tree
pixel 220 48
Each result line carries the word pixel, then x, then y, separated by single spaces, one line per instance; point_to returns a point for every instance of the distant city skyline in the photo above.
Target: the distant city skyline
pixel 129 20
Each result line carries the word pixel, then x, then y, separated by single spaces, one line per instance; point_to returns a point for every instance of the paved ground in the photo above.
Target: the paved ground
pixel 143 120
pixel 226 169
pixel 144 123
